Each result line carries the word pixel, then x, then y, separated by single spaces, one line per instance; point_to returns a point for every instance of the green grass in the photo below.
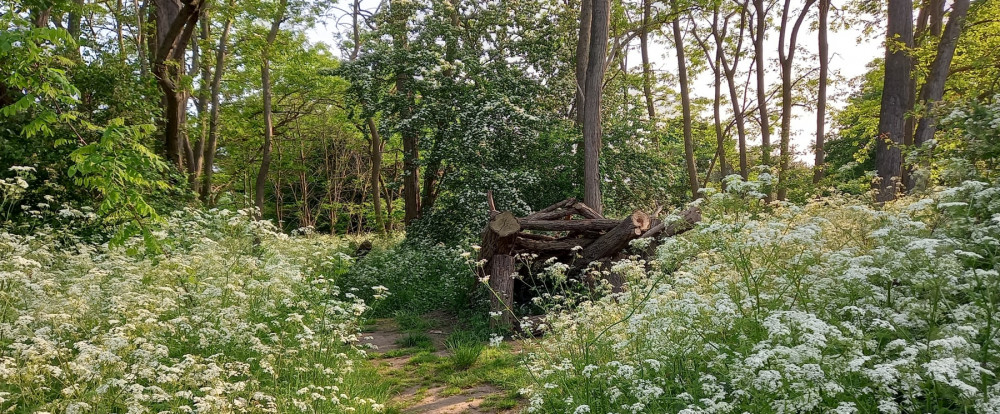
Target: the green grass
pixel 409 321
pixel 416 340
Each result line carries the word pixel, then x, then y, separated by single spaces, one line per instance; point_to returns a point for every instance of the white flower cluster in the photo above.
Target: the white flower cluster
pixel 218 323
pixel 829 307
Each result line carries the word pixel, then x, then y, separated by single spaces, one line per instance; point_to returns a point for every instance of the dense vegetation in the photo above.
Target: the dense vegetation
pixel 208 206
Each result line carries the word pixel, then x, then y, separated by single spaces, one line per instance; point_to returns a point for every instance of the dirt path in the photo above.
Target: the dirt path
pixel 423 368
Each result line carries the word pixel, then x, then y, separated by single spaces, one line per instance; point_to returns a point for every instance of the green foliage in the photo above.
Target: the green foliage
pixel 420 277
pixel 124 173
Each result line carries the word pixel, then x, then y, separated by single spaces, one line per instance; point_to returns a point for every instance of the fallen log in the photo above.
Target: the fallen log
pixel 617 238
pixel 688 218
pixel 587 212
pixel 567 202
pixel 560 213
pixel 566 245
pixel 569 225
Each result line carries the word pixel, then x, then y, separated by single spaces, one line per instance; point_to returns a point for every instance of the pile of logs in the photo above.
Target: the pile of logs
pixel 569 231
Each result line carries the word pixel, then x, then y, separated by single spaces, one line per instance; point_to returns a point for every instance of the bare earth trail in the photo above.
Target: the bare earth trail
pixel 423 375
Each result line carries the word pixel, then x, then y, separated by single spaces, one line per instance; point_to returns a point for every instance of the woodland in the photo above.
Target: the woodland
pixel 541 206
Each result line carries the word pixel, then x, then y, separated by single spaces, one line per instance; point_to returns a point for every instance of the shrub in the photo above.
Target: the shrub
pixel 420 277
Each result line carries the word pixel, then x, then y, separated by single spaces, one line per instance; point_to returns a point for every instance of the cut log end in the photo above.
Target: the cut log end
pixel 505 224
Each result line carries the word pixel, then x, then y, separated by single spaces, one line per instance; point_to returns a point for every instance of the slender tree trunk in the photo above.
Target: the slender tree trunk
pixel 933 89
pixel 682 76
pixel 376 175
pixel 787 58
pixel 400 15
pixel 265 80
pixel 592 103
pixel 758 46
pixel 74 27
pixel 647 76
pixel 140 38
pixel 824 70
pixel 720 137
pixel 739 117
pixel 888 158
pixel 582 55
pixel 213 126
pixel 204 94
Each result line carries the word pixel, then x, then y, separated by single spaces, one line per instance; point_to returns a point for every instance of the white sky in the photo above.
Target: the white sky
pixel 850 53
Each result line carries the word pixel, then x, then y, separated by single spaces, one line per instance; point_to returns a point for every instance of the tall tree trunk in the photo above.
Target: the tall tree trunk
pixel 758 46
pixel 213 126
pixel 265 81
pixel 682 76
pixel 74 26
pixel 787 57
pixel 141 43
pixel 933 89
pixel 376 175
pixel 175 24
pixel 411 152
pixel 824 70
pixel 647 76
pixel 888 158
pixel 582 54
pixel 739 117
pixel 204 94
pixel 592 103
pixel 720 137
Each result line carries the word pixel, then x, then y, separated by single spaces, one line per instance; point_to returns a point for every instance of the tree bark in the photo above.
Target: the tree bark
pixel 786 57
pixel 175 24
pixel 204 94
pixel 888 158
pixel 647 77
pixel 617 238
pixel 758 46
pixel 592 103
pixel 582 55
pixel 720 137
pixel 824 70
pixel 692 169
pixel 411 152
pixel 213 126
pixel 933 89
pixel 569 225
pixel 265 80
pixel 739 117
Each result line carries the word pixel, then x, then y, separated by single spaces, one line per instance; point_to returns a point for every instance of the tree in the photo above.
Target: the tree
pixel 582 56
pixel 400 13
pixel 208 166
pixel 758 33
pixel 682 77
pixel 786 58
pixel 592 103
pixel 933 88
pixel 647 77
pixel 175 24
pixel 824 70
pixel 888 156
pixel 265 81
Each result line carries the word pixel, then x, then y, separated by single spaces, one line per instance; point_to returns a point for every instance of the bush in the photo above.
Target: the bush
pixel 829 307
pixel 420 277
